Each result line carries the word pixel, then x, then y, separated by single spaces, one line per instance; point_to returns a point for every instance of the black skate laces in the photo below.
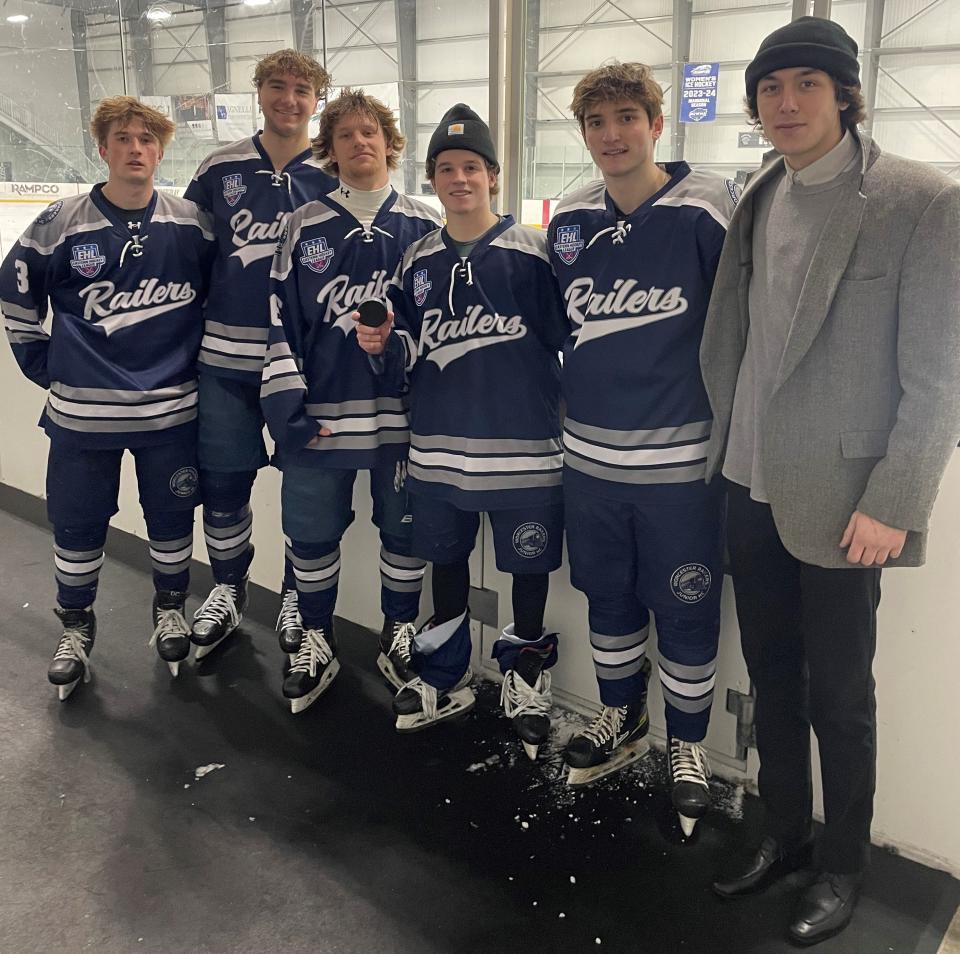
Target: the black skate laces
pixel 688 763
pixel 314 649
pixel 222 601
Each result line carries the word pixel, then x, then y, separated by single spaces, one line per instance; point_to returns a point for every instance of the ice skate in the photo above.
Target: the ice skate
pixel 525 697
pixel 689 770
pixel 289 624
pixel 218 616
pixel 614 740
pixel 171 634
pixel 396 649
pixel 314 667
pixel 419 705
pixel 71 662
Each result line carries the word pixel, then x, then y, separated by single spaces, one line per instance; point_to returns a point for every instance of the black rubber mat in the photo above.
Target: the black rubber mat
pixel 327 831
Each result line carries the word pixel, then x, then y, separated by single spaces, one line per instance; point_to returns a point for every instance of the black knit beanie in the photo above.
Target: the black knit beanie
pixel 808 41
pixel 462 128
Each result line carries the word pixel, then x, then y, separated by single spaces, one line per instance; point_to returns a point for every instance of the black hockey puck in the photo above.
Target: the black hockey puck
pixel 373 313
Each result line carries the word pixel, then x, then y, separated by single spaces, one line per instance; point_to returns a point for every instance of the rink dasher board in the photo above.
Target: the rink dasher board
pixel 22 202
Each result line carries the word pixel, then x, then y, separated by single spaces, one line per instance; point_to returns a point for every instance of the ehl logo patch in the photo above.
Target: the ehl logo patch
pixel 530 540
pixel 315 254
pixel 690 583
pixel 184 482
pixel 233 188
pixel 87 260
pixel 568 244
pixel 421 286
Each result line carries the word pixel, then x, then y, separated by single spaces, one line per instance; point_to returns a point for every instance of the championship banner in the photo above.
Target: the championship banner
pixel 234 116
pixel 698 97
pixel 194 112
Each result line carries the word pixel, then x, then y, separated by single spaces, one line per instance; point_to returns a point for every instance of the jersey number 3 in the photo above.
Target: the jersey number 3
pixel 23 283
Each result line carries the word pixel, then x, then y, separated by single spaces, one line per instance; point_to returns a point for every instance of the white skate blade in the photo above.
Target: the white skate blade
pixel 459 702
pixel 624 756
pixel 206 650
pixel 687 824
pixel 64 691
pixel 304 702
pixel 388 672
pixel 174 668
pixel 531 749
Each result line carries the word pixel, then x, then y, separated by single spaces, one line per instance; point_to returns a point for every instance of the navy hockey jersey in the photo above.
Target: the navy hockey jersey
pixel 315 373
pixel 120 357
pixel 482 340
pixel 250 203
pixel 636 288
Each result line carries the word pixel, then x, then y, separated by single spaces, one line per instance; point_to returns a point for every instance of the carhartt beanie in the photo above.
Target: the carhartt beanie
pixel 462 128
pixel 808 41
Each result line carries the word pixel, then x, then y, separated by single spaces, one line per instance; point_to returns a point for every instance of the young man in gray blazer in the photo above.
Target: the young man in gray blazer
pixel 831 356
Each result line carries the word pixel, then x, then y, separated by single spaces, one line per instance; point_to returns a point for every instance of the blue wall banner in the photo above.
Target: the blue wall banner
pixel 698 98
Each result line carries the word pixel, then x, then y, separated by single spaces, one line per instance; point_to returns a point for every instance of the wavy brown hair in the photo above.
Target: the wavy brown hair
pixel 614 82
pixel 296 64
pixel 123 110
pixel 355 102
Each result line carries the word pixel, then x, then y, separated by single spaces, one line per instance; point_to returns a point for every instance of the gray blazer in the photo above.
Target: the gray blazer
pixel 865 413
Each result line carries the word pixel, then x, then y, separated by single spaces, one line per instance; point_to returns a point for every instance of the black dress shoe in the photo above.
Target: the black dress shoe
pixel 770 863
pixel 826 907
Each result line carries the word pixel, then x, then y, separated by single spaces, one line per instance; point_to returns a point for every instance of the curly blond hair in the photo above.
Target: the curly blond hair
pixel 122 110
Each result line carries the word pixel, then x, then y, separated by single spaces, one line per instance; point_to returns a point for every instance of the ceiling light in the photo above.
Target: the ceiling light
pixel 158 12
pixel 18 18
pixel 255 3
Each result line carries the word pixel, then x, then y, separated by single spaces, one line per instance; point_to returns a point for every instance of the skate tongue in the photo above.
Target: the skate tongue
pixel 529 664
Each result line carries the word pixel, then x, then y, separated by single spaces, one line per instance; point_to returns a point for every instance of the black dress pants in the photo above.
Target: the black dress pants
pixel 808 635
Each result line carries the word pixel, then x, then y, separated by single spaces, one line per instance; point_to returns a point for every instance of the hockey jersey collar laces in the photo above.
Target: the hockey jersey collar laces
pixel 619 232
pixel 278 179
pixel 462 270
pixel 367 234
pixel 134 245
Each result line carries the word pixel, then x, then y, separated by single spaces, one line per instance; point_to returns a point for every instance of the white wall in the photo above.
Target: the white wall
pixel 918 648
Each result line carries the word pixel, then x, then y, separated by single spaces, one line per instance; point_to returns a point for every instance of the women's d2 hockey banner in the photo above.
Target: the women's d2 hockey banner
pixel 698 97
